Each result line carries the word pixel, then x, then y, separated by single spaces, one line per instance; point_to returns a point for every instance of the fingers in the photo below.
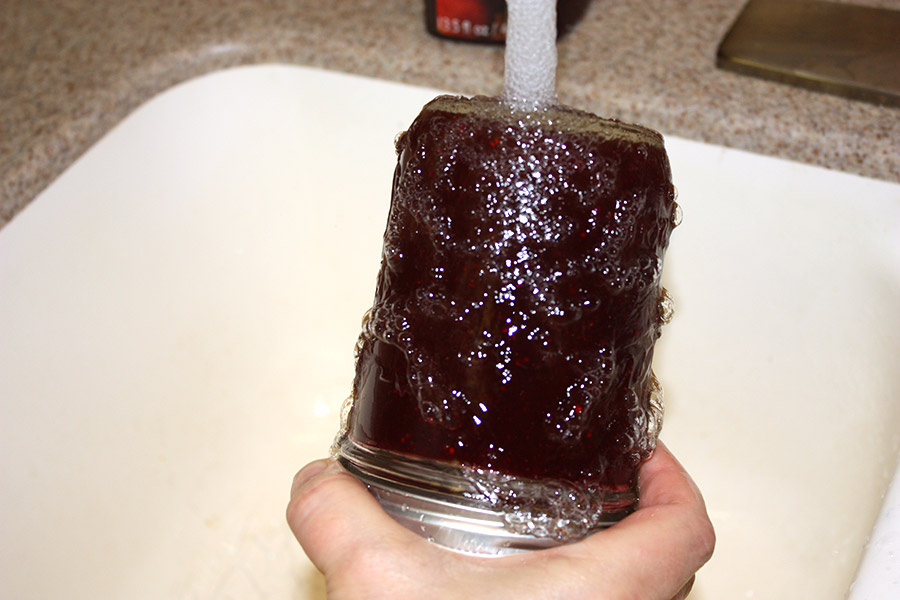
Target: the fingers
pixel 662 544
pixel 652 554
pixel 685 591
pixel 667 489
pixel 669 495
pixel 662 480
pixel 325 511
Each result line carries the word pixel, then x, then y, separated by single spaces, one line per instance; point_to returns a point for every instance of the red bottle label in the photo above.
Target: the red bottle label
pixel 471 19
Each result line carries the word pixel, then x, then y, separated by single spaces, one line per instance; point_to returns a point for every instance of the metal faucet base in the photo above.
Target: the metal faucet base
pixel 844 49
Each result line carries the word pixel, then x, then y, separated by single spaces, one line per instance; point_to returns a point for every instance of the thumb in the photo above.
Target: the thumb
pixel 327 508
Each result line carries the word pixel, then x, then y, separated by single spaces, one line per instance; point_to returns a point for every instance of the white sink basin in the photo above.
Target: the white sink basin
pixel 178 313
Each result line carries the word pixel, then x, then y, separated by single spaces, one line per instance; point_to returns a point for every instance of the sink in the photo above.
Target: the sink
pixel 179 310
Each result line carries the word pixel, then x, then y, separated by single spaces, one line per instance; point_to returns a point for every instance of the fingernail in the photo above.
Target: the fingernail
pixel 317 467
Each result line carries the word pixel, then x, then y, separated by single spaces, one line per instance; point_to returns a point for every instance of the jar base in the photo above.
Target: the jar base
pixel 437 501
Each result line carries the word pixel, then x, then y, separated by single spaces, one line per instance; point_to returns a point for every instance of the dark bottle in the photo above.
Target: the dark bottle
pixel 485 20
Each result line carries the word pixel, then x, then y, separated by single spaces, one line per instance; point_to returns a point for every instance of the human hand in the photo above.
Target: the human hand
pixel 652 554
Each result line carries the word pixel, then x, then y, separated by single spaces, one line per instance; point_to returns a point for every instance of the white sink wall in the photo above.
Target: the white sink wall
pixel 178 312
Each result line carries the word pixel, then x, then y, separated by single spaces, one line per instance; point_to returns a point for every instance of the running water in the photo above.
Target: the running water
pixel 530 74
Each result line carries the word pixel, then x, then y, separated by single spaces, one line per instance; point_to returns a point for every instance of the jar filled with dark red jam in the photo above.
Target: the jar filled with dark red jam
pixel 504 398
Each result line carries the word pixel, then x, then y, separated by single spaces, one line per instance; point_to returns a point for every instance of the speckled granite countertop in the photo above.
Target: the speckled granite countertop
pixel 72 69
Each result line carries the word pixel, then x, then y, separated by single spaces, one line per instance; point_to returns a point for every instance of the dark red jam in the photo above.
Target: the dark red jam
pixel 519 296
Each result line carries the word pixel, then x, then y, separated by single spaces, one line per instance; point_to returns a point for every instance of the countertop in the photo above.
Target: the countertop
pixel 72 69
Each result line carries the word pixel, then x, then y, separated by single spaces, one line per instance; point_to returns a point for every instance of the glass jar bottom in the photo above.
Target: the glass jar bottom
pixel 442 503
